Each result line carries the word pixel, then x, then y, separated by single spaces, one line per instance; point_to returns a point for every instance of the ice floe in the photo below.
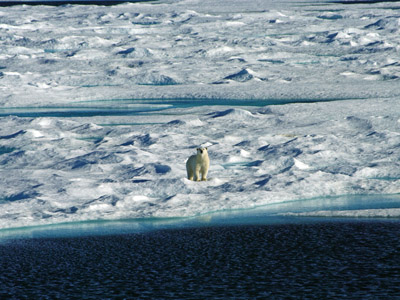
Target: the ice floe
pixel 101 108
pixel 59 170
pixel 252 49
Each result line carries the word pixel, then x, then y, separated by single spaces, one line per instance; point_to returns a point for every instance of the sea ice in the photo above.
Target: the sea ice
pixel 100 108
pixel 71 169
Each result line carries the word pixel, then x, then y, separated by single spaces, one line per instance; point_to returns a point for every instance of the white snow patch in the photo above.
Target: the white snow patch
pixel 300 165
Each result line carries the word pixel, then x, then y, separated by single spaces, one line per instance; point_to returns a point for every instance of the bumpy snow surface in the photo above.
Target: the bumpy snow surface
pixel 101 107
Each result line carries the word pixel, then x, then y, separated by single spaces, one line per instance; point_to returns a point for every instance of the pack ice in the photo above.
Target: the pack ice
pixel 100 108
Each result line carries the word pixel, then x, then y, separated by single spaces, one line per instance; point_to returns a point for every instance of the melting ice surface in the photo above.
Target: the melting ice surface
pixel 98 120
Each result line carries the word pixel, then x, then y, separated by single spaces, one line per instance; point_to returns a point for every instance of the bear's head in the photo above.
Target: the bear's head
pixel 202 151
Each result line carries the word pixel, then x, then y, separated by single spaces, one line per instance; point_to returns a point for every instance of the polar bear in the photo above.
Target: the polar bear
pixel 197 164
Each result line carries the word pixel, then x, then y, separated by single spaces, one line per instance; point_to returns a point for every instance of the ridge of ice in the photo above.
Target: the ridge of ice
pixel 355 213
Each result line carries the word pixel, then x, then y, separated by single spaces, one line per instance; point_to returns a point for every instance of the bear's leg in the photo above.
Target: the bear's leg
pixel 204 174
pixel 197 174
pixel 190 174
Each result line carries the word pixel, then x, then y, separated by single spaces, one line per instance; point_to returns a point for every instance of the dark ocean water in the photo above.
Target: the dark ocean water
pixel 323 260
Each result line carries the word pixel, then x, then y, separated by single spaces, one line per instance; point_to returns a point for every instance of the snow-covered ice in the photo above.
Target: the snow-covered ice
pixel 198 49
pixel 100 108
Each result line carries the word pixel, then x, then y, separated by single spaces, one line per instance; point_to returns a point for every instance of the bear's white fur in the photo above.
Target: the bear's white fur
pixel 198 164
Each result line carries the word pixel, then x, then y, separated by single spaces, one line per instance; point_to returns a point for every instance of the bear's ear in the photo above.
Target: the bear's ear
pixel 206 148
